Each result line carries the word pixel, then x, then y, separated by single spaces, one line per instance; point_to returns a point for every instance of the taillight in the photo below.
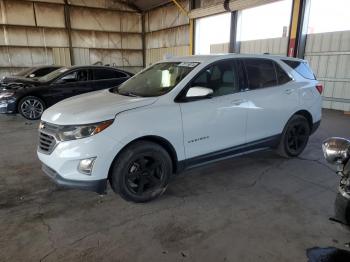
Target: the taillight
pixel 319 88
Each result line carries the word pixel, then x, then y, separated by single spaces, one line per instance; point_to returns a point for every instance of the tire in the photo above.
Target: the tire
pixel 31 107
pixel 342 210
pixel 294 137
pixel 141 172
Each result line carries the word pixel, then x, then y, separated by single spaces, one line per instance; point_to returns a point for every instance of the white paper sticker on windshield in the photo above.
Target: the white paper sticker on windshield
pixel 62 70
pixel 188 64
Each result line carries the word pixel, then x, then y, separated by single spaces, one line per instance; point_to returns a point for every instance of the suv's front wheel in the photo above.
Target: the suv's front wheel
pixel 141 172
pixel 295 137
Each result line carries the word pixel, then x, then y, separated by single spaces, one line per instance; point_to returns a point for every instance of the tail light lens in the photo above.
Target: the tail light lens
pixel 319 88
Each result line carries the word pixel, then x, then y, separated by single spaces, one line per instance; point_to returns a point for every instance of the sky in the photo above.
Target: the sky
pixel 265 21
pixel 329 16
pixel 270 21
pixel 212 30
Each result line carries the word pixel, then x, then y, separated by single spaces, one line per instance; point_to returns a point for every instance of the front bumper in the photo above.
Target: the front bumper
pixel 61 164
pixel 98 186
pixel 7 106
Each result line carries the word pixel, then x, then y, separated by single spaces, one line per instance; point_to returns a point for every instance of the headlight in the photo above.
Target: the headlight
pixel 66 133
pixel 336 150
pixel 6 94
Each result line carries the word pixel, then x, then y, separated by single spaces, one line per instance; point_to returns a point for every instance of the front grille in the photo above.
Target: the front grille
pixel 47 140
pixel 47 143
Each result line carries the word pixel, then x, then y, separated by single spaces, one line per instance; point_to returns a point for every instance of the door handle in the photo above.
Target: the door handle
pixel 237 102
pixel 289 91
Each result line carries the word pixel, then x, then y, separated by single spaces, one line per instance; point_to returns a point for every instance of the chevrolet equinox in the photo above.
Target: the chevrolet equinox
pixel 178 114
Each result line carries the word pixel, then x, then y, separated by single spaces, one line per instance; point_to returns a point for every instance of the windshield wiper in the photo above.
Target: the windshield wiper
pixel 129 94
pixel 116 90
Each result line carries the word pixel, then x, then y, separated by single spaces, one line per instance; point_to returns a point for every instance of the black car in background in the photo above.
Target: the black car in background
pixel 32 97
pixel 29 73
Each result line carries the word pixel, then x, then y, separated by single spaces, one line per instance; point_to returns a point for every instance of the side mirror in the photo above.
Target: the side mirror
pixel 199 92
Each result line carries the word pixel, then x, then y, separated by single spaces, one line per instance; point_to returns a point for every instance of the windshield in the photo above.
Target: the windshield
pixel 53 74
pixel 24 72
pixel 156 80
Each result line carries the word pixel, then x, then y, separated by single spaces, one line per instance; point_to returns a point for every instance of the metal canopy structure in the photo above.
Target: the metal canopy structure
pixel 143 5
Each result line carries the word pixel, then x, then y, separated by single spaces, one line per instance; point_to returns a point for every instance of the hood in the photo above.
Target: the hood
pixel 10 83
pixel 92 107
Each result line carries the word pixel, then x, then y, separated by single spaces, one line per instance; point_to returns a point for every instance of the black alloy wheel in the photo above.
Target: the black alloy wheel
pixel 145 175
pixel 141 172
pixel 295 137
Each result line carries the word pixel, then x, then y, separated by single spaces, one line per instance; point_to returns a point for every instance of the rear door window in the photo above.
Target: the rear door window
pixel 101 74
pixel 261 73
pixel 302 68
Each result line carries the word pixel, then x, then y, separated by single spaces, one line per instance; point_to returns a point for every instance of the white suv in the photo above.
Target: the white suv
pixel 178 114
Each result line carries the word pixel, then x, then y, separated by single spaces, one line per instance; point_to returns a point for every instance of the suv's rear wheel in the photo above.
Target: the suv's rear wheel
pixel 141 172
pixel 31 107
pixel 295 137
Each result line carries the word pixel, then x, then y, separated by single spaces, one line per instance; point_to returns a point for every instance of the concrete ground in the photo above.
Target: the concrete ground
pixel 257 207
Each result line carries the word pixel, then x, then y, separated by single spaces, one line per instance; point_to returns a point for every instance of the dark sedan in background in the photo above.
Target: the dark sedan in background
pixel 32 97
pixel 28 74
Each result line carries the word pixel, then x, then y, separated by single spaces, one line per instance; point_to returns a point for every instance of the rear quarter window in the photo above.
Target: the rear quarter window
pixel 282 76
pixel 302 68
